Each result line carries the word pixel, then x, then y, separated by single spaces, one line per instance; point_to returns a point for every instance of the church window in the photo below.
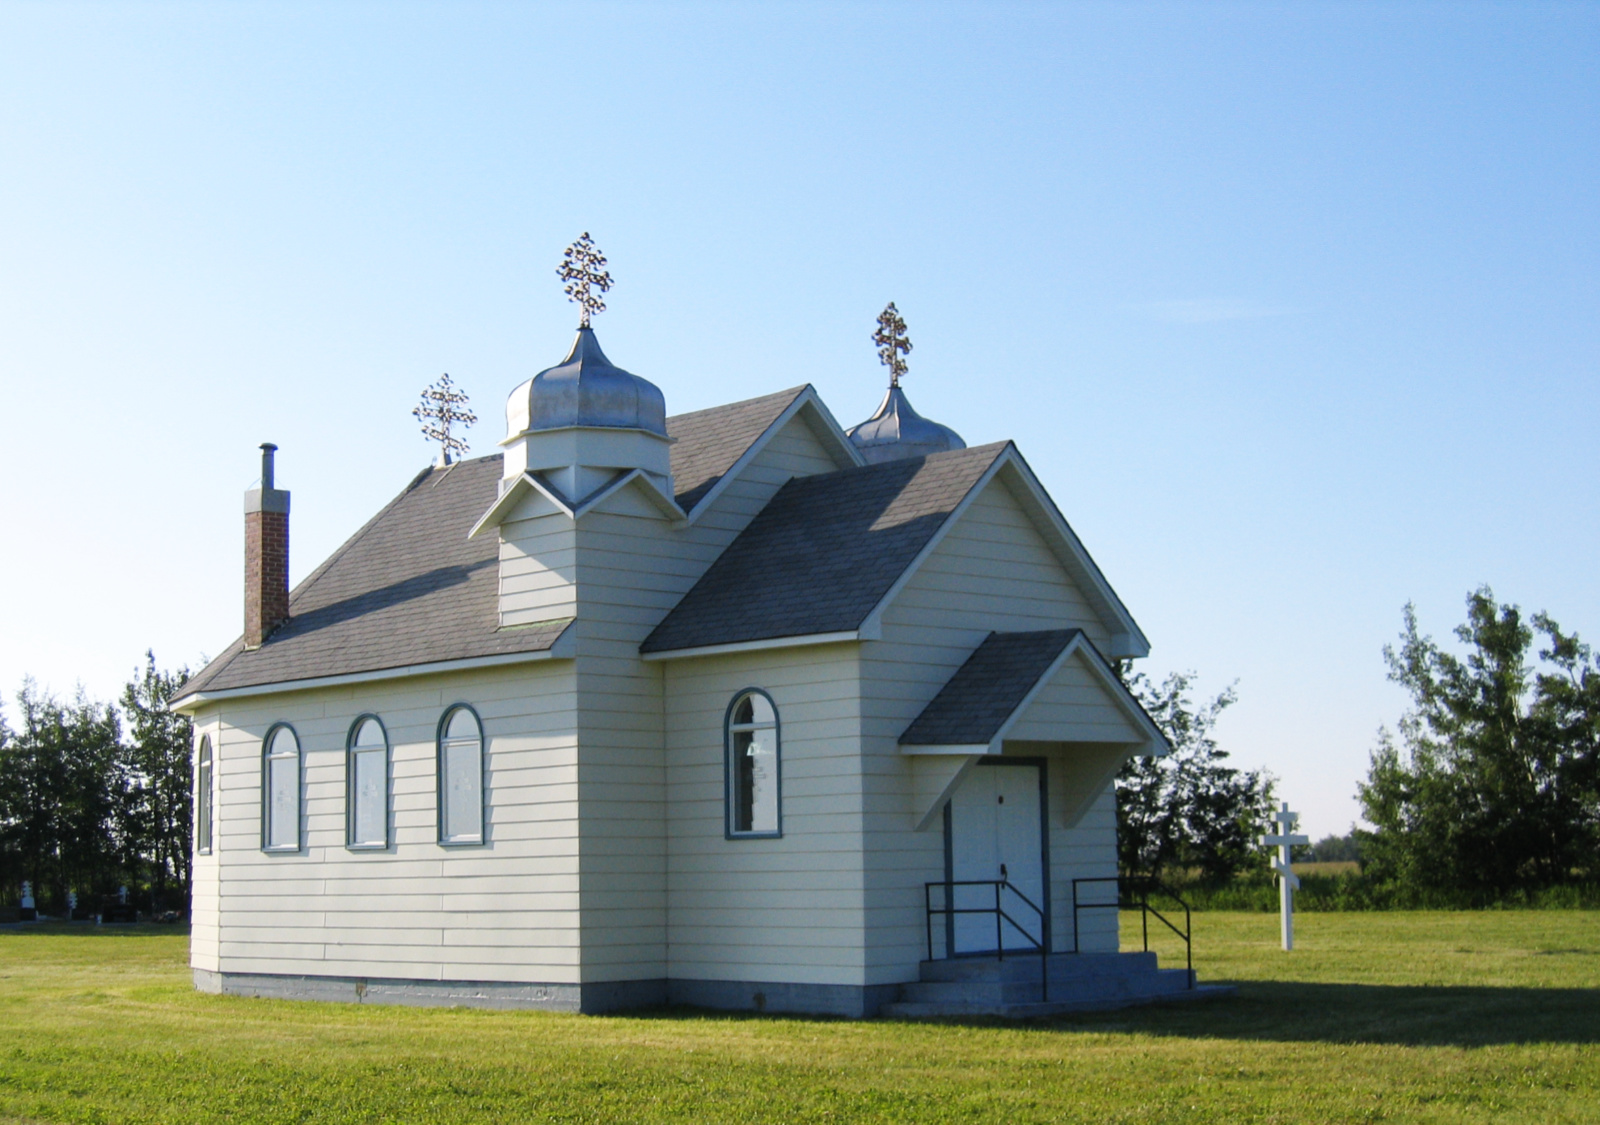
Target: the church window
pixel 367 784
pixel 280 767
pixel 202 797
pixel 753 775
pixel 460 777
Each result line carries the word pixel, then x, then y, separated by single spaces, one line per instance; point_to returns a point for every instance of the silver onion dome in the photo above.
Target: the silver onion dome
pixel 586 389
pixel 897 431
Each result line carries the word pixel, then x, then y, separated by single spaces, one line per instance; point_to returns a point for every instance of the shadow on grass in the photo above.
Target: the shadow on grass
pixel 1418 1016
pixel 1271 1011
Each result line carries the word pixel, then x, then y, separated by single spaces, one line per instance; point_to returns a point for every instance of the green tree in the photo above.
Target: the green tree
pixel 1332 849
pixel 157 813
pixel 58 794
pixel 1188 810
pixel 1491 786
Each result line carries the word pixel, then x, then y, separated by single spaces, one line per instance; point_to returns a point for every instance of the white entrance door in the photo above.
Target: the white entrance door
pixel 997 832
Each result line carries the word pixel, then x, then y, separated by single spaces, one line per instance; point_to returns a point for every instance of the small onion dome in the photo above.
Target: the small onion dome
pixel 897 431
pixel 586 389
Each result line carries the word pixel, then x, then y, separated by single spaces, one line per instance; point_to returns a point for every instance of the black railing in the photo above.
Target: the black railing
pixel 1001 920
pixel 1134 894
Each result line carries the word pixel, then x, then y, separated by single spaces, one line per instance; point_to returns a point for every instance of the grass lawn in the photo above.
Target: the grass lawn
pixel 1490 1016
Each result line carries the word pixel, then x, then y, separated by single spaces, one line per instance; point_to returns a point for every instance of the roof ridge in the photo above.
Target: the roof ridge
pixel 997 447
pixel 792 392
pixel 705 615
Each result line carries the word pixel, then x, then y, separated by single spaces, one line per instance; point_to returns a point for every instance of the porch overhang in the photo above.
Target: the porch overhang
pixel 1045 686
pixel 1029 693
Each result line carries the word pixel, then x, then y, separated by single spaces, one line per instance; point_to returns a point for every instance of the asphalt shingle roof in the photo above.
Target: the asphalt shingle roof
pixel 984 692
pixel 408 588
pixel 411 588
pixel 710 441
pixel 823 553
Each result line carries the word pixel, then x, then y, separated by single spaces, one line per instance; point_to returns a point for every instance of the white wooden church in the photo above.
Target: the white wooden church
pixel 733 708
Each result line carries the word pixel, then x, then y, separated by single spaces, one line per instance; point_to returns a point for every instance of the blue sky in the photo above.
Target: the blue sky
pixel 1292 307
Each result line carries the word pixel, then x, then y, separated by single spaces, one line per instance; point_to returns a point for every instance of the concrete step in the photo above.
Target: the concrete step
pixel 1152 982
pixel 915 1010
pixel 1063 966
pixel 1014 992
pixel 1014 987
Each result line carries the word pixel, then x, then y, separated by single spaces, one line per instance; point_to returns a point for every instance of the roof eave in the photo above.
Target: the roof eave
pixel 510 497
pixel 799 641
pixel 1118 692
pixel 562 648
pixel 1127 639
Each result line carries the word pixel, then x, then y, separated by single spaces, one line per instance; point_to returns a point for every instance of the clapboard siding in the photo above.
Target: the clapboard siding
pixel 1074 700
pixel 992 571
pixel 204 933
pixel 1087 850
pixel 767 909
pixel 538 570
pixel 630 572
pixel 505 911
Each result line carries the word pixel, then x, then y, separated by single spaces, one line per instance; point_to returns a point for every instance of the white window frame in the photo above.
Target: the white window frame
pixel 446 837
pixel 730 771
pixel 352 777
pixel 204 800
pixel 267 758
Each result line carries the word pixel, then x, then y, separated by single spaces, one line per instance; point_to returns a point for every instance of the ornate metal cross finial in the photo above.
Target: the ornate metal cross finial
pixel 583 268
pixel 444 406
pixel 892 342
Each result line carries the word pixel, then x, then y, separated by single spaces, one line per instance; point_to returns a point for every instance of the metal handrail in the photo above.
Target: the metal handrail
pixel 1139 898
pixel 1000 917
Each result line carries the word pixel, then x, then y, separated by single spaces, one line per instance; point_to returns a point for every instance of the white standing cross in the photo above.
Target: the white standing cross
pixel 1288 883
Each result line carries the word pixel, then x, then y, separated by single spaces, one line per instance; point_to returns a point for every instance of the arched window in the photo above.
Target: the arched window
pixel 460 777
pixel 280 790
pixel 202 797
pixel 753 767
pixel 366 784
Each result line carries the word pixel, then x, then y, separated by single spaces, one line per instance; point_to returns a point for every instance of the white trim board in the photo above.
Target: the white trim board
pixel 823 425
pixel 756 646
pixel 558 651
pixel 638 478
pixel 1127 640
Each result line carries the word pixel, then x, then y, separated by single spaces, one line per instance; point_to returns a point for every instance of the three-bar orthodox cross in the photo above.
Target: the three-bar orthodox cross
pixel 1285 840
pixel 583 268
pixel 892 341
pixel 444 406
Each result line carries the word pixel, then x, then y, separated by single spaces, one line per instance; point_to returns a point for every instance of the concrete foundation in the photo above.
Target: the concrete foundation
pixel 851 1001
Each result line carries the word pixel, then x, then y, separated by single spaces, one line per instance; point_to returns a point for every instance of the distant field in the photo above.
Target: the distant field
pixel 1332 867
pixel 1430 1017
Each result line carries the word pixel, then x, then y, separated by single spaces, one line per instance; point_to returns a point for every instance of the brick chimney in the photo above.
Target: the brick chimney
pixel 266 556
